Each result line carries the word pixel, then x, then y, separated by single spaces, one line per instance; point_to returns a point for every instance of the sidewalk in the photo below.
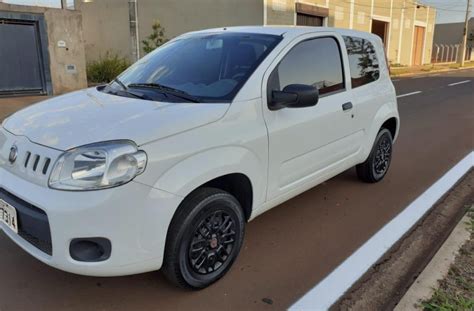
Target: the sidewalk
pixel 408 71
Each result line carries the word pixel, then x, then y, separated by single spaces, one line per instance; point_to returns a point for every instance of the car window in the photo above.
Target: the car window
pixel 315 62
pixel 210 67
pixel 363 62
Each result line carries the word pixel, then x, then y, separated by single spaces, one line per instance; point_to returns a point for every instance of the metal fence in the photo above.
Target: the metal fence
pixel 449 53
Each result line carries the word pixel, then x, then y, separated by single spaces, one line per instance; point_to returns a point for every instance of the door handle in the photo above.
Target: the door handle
pixel 347 106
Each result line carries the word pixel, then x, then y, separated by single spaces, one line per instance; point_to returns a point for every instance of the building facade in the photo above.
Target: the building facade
pixel 42 51
pixel 405 27
pixel 107 28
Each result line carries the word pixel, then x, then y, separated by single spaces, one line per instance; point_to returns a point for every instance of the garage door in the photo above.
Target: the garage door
pixel 21 65
pixel 308 20
pixel 310 15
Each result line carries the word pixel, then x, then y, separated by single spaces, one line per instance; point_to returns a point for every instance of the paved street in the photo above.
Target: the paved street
pixel 292 247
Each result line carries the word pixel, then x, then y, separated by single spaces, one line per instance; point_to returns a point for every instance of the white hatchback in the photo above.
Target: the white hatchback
pixel 163 167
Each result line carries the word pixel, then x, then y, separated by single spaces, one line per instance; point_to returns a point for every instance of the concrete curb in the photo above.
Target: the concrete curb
pixel 411 74
pixel 426 283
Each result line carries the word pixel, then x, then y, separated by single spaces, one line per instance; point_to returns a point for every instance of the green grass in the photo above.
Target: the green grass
pixel 471 220
pixel 456 291
pixel 443 301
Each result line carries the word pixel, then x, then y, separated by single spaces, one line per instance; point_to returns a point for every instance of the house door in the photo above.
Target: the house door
pixel 380 29
pixel 418 40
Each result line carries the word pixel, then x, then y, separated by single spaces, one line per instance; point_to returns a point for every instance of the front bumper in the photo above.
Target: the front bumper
pixel 134 217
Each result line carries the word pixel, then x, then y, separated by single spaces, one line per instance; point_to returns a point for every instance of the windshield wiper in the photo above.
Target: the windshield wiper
pixel 167 90
pixel 117 80
pixel 127 91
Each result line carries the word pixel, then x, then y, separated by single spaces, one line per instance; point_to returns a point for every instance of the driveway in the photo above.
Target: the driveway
pixel 8 105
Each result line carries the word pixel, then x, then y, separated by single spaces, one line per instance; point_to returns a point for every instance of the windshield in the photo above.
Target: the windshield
pixel 208 67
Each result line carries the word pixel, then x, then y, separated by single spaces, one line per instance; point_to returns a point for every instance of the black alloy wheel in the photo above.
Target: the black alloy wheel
pixel 204 238
pixel 378 162
pixel 383 156
pixel 213 242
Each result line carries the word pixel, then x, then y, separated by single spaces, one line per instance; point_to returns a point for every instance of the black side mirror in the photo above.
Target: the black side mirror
pixel 294 96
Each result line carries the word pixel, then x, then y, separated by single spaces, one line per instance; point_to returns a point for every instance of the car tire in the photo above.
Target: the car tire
pixel 377 164
pixel 204 238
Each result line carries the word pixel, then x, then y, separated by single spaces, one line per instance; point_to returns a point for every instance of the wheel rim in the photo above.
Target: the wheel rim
pixel 212 243
pixel 382 156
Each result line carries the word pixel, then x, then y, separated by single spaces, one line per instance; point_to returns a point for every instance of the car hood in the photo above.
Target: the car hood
pixel 90 116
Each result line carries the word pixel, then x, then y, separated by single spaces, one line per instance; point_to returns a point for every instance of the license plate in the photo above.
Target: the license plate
pixel 8 215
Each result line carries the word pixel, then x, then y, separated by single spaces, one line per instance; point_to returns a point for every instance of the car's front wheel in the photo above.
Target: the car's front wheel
pixel 204 238
pixel 376 166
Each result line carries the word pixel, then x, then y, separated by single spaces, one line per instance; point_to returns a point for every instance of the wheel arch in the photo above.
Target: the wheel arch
pixel 238 185
pixel 391 124
pixel 386 117
pixel 234 169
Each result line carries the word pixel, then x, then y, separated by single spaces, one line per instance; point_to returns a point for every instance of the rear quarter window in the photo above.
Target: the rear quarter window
pixel 363 62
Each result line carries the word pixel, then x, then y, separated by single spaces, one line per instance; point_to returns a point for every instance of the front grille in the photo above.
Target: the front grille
pixel 33 223
pixel 36 163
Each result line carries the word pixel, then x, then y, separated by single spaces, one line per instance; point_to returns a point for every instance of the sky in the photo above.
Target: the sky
pixel 449 11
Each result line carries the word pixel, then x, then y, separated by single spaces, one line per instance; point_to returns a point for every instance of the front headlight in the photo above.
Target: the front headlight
pixel 98 166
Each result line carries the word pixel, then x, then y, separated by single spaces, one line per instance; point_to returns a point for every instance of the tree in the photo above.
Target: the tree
pixel 156 39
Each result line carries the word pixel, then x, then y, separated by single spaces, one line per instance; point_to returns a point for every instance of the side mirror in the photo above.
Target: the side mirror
pixel 294 96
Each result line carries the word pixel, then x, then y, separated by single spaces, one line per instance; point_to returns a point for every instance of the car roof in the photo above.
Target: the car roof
pixel 287 31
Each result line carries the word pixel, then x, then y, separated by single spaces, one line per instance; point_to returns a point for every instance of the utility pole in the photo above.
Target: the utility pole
pixel 134 35
pixel 464 37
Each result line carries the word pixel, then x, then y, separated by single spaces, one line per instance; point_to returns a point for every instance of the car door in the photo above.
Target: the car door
pixel 306 144
pixel 370 86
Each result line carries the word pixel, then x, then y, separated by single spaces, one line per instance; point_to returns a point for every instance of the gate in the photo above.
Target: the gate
pixel 22 61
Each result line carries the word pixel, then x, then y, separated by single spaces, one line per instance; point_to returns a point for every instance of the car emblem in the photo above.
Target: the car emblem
pixel 13 154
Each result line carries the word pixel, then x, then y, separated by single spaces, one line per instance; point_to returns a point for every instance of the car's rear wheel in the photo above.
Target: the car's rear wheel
pixel 377 164
pixel 204 238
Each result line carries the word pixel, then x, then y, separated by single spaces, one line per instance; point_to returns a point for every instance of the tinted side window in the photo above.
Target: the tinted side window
pixel 362 60
pixel 314 62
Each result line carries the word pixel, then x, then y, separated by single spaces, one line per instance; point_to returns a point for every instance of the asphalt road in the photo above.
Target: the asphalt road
pixel 292 247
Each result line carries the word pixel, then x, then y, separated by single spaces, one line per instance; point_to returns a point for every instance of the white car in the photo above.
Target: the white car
pixel 163 167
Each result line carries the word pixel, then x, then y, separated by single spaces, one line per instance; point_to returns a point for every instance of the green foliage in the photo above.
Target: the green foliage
pixel 156 39
pixel 443 301
pixel 106 68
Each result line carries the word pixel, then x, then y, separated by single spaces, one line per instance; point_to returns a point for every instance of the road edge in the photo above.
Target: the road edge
pixel 348 274
pixel 421 73
pixel 383 286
